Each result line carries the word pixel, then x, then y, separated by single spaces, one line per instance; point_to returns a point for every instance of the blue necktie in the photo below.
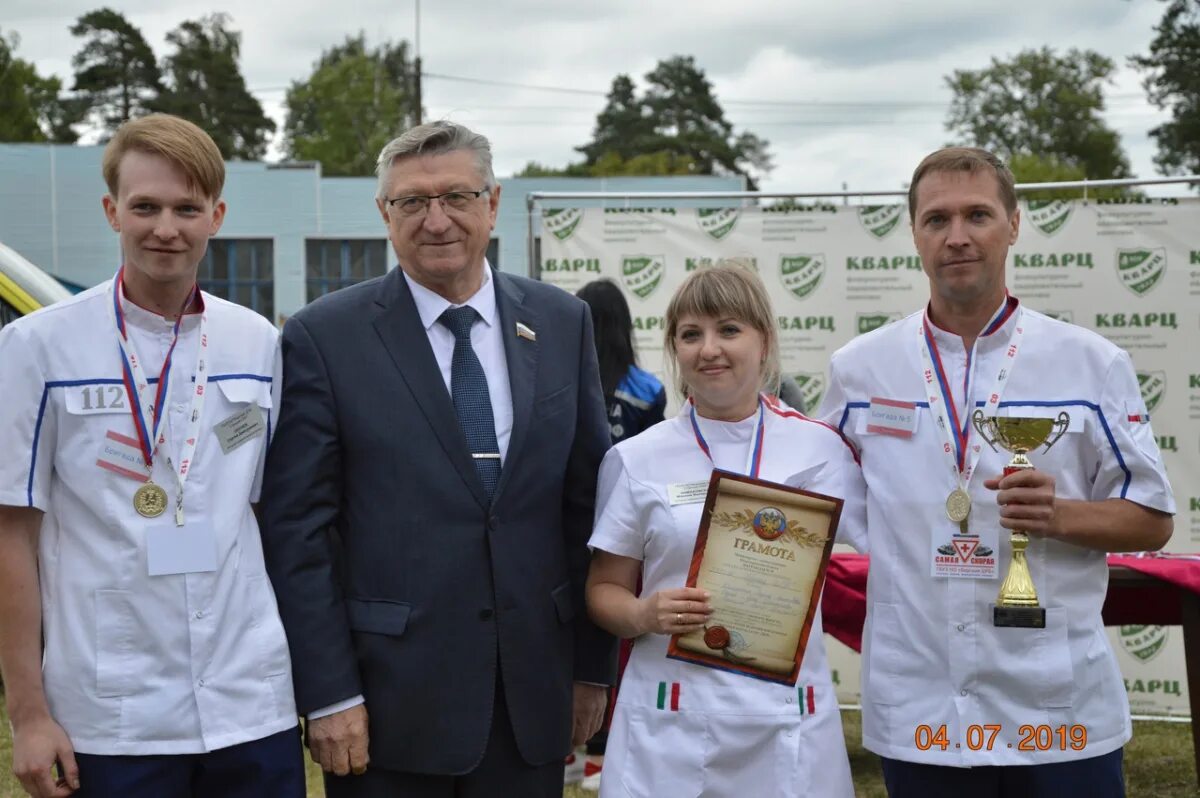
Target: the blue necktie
pixel 472 404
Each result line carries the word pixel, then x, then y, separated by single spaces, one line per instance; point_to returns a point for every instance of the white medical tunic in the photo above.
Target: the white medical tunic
pixel 684 730
pixel 931 654
pixel 139 664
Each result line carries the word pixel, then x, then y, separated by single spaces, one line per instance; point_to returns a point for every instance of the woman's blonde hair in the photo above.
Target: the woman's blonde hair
pixel 728 289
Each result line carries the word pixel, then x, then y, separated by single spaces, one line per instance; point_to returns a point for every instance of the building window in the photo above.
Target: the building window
pixel 241 270
pixel 337 263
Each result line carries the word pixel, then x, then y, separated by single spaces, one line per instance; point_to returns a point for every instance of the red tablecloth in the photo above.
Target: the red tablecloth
pixel 844 603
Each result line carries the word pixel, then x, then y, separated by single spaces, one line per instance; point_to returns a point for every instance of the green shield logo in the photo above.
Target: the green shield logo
pixel 717 222
pixel 879 220
pixel 1153 385
pixel 865 322
pixel 1061 315
pixel 642 273
pixel 562 221
pixel 812 388
pixel 1141 269
pixel 801 274
pixel 1049 216
pixel 1143 642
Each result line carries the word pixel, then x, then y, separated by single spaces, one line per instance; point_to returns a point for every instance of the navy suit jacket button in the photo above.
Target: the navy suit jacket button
pixel 486 615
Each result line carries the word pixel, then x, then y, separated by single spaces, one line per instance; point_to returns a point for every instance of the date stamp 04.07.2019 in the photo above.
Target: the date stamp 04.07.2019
pixel 990 736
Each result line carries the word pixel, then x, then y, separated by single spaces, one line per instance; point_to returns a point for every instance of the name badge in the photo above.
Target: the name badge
pixel 243 426
pixel 687 492
pixel 122 455
pixel 188 549
pixel 890 417
pixel 969 555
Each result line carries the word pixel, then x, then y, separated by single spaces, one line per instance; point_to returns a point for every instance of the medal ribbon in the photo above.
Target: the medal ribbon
pixel 753 457
pixel 956 432
pixel 147 420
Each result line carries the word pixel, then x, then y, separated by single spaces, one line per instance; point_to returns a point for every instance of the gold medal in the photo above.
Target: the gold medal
pixel 150 500
pixel 958 505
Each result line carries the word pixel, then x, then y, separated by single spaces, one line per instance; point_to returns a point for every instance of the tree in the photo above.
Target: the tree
pixel 116 76
pixel 1029 168
pixel 32 108
pixel 206 87
pixel 1173 81
pixel 677 127
pixel 355 101
pixel 1040 104
pixel 623 128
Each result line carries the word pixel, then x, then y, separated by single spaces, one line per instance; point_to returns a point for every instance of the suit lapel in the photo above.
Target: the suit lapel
pixel 399 327
pixel 522 356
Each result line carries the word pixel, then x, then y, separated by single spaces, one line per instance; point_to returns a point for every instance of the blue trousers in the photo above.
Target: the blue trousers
pixel 1096 777
pixel 272 767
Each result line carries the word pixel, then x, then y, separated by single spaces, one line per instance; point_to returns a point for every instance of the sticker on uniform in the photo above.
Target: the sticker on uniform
pixel 90 400
pixel 965 556
pixel 891 417
pixel 687 492
pixel 244 425
pixel 1136 413
pixel 122 455
pixel 188 549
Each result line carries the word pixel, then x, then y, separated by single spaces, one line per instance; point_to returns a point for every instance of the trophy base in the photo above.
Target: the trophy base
pixel 1018 617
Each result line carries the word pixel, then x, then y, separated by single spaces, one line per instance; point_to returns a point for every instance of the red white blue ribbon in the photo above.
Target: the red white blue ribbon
pixel 955 426
pixel 753 457
pixel 147 419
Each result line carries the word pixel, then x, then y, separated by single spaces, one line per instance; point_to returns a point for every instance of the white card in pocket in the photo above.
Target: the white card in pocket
pixel 187 549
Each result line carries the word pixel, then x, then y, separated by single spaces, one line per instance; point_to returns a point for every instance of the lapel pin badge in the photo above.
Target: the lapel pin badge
pixel 523 331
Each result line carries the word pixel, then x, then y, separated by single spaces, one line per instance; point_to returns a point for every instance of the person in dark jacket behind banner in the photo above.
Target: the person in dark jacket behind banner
pixel 635 398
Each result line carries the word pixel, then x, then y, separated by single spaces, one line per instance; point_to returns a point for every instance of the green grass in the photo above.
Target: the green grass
pixel 1158 763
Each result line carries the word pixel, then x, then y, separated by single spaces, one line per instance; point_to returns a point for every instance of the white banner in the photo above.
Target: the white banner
pixel 1129 271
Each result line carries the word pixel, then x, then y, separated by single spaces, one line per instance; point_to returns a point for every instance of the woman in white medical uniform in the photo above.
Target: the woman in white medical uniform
pixel 681 729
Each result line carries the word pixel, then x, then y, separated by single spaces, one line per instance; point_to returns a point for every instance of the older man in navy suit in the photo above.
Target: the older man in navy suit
pixel 428 500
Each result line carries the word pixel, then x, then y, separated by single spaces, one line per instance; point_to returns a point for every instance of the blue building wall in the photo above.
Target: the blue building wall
pixel 50 212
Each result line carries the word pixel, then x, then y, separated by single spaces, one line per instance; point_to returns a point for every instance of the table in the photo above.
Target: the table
pixel 1160 590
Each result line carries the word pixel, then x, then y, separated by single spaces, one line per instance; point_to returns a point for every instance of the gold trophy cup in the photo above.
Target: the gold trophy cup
pixel 1017 604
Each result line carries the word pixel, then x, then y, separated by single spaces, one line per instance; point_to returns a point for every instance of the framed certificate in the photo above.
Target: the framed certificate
pixel 761 552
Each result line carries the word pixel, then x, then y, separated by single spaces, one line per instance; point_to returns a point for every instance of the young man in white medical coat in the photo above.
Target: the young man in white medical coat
pixel 957 700
pixel 134 425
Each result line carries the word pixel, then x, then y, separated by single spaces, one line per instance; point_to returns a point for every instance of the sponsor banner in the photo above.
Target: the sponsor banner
pixel 1130 271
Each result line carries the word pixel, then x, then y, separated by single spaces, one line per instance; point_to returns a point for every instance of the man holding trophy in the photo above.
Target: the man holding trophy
pixel 1005 454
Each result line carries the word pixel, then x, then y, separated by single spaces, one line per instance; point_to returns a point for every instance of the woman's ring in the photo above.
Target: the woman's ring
pixel 679 618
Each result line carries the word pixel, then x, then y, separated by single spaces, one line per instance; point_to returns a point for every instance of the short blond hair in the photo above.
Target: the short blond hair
pixel 727 289
pixel 179 141
pixel 964 159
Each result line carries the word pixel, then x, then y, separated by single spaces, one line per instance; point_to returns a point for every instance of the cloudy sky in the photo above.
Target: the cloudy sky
pixel 847 92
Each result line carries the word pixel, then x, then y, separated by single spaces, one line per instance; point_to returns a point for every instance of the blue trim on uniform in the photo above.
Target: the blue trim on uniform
pixel 37 431
pixel 1103 423
pixel 259 377
pixel 1112 441
pixel 92 381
